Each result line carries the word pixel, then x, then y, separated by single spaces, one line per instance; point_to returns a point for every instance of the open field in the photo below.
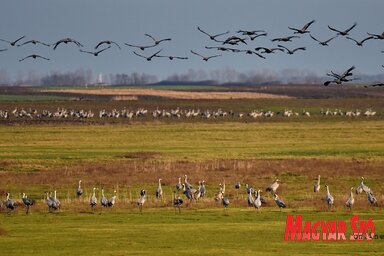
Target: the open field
pixel 126 156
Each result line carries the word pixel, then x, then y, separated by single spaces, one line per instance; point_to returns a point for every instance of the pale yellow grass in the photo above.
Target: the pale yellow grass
pixel 174 94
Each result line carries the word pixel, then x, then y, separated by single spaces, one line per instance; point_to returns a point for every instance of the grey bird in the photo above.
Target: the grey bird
pixel 159 190
pixel 28 202
pixel 268 50
pixel 344 32
pixel 177 201
pixel 238 185
pixel 79 190
pixel 111 201
pixel 205 58
pixel 95 53
pixel 172 57
pixel 362 187
pixel 223 49
pixel 304 29
pixel 372 199
pixel 273 186
pixel 150 57
pixel 158 41
pixel 284 39
pixel 10 203
pixel 33 56
pixel 109 42
pixel 323 43
pixel 178 185
pixel 103 199
pixel 225 202
pixel 212 37
pixel 253 52
pixel 360 43
pixel 66 41
pixel 34 42
pixel 329 198
pixel 349 203
pixel 258 35
pixel 279 202
pixel 257 202
pixel 141 47
pixel 93 199
pixel 12 43
pixel 377 36
pixel 340 78
pixel 142 199
pixel 293 50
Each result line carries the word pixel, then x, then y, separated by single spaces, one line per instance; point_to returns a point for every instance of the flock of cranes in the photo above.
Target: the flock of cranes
pixel 177 113
pixel 222 41
pixel 193 195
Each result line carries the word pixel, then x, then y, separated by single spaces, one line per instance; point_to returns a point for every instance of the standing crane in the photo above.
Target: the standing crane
pixel 178 185
pixel 112 200
pixel 362 187
pixel 177 201
pixel 103 199
pixel 250 199
pixel 349 203
pixel 28 202
pixel 279 202
pixel 329 198
pixel 10 203
pixel 93 200
pixel 372 199
pixel 79 190
pixel 159 190
pixel 141 200
pixel 273 186
pixel 257 202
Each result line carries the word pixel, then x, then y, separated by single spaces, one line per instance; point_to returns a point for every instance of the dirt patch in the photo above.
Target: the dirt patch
pixel 120 93
pixel 3 232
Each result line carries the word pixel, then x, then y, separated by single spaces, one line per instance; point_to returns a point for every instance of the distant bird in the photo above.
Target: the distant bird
pixel 212 37
pixel 159 190
pixel 377 36
pixel 362 187
pixel 34 56
pixel 279 202
pixel 109 42
pixel 329 198
pixel 273 186
pixel 66 41
pixel 304 29
pixel 257 202
pixel 345 32
pixel 224 49
pixel 79 190
pixel 49 202
pixel 111 201
pixel 3 50
pixel 250 32
pixel 316 187
pixel 256 36
pixel 172 57
pixel 141 47
pixel 96 53
pixel 202 189
pixel 374 85
pixel 178 185
pixel 177 201
pixel 10 203
pixel 205 58
pixel 12 43
pixel 28 202
pixel 268 50
pixel 158 41
pixel 93 199
pixel 186 183
pixel 33 42
pixel 56 203
pixel 324 43
pixel 150 57
pixel 372 199
pixel 142 199
pixel 349 203
pixel 103 199
pixel 250 198
pixel 238 185
pixel 284 39
pixel 339 79
pixel 360 43
pixel 234 40
pixel 225 202
pixel 292 51
pixel 253 52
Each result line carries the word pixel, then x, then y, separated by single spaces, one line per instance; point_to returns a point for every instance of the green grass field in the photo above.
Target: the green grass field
pixel 35 158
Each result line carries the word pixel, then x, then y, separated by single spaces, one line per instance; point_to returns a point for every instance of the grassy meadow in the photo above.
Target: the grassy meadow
pixel 38 158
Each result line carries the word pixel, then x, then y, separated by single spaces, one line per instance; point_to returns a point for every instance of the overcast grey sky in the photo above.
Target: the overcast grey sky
pixel 90 21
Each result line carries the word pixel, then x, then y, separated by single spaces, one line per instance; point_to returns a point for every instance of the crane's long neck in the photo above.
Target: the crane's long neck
pixel 159 183
pixel 351 195
pixel 94 192
pixel 79 184
pixel 318 180
pixel 179 180
pixel 7 196
pixel 55 194
pixel 328 191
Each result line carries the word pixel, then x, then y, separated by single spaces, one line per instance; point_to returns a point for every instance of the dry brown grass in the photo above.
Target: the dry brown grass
pixel 131 93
